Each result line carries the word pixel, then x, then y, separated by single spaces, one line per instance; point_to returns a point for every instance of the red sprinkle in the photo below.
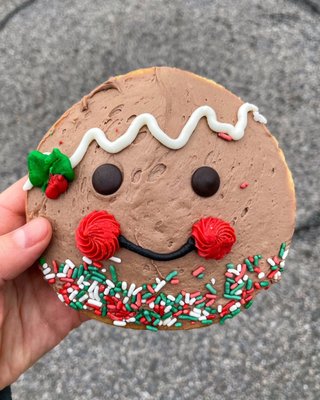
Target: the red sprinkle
pixel 194 294
pixel 51 281
pixel 198 271
pixel 174 281
pixel 97 264
pixel 244 185
pixel 225 136
pixel 55 266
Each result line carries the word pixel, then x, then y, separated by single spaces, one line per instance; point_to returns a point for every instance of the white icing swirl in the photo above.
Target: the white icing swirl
pixel 236 132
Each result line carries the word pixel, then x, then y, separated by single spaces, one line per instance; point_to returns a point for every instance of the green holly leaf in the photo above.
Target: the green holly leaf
pixel 60 164
pixel 38 168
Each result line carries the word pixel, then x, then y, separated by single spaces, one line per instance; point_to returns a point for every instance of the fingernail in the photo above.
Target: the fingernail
pixel 31 233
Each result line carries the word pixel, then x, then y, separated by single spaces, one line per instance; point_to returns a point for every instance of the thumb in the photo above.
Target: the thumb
pixel 20 248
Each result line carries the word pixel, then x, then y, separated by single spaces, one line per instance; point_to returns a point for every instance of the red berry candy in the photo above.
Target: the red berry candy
pixel 57 185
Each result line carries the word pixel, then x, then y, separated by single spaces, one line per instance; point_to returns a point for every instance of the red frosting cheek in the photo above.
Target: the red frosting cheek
pixel 97 235
pixel 213 237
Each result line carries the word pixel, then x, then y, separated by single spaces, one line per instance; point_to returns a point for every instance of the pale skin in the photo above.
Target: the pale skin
pixel 32 319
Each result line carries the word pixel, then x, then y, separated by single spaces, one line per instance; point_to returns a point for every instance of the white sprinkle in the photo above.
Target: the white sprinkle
pixel 143 300
pixel 238 304
pixel 285 254
pixel 197 310
pixel 119 323
pixel 103 270
pixel 151 305
pixel 160 286
pixel 213 281
pixel 70 263
pixel 50 276
pixel 81 287
pixel 187 298
pixel 80 280
pixel 70 290
pixel 86 260
pixel 193 314
pixel 132 319
pixel 94 303
pixel 162 303
pixel 106 291
pixel 125 300
pixel 192 301
pixel 73 294
pixel 93 286
pixel 158 280
pixel 61 275
pixel 233 308
pixel 96 293
pixel 160 323
pixel 202 318
pixel 170 297
pixel 137 290
pixel 219 308
pixel 61 297
pixel 85 283
pixel 240 281
pixel 131 289
pixel 166 321
pixel 277 276
pixel 110 283
pixel 238 292
pixel 271 262
pixel 181 302
pixel 204 312
pixel 282 264
pixel 117 295
pixel 83 298
pixel 45 265
pixel 167 309
pixel 239 267
pixel 66 268
pixel 234 271
pixel 115 259
pixel 124 285
pixel 46 271
pixel 245 278
pixel 172 322
pixel 261 275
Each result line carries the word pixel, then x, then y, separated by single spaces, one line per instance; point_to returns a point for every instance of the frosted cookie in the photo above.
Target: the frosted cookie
pixel 171 203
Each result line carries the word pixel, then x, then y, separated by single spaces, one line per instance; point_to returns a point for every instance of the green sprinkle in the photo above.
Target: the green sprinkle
pixel 119 285
pixel 79 305
pixel 133 298
pixel 98 278
pixel 201 305
pixel 188 317
pixel 151 328
pixel 144 286
pixel 98 274
pixel 256 261
pixel 167 315
pixel 178 324
pixel 211 310
pixel 125 292
pixel 200 276
pixel 264 283
pixel 92 269
pixel 156 322
pixel 73 305
pixel 282 249
pixel 199 297
pixel 42 261
pixel 230 280
pixel 236 312
pixel 113 273
pixel 233 297
pixel 230 266
pixel 223 319
pixel 249 265
pixel 274 267
pixel 178 298
pixel 127 306
pixel 249 304
pixel 237 288
pixel 112 292
pixel 147 315
pixel 154 314
pixel 81 293
pixel 171 275
pixel 104 311
pixel 227 287
pixel 157 300
pixel 117 290
pixel 249 284
pixel 80 270
pixel 211 288
pixel 207 321
pixel 61 268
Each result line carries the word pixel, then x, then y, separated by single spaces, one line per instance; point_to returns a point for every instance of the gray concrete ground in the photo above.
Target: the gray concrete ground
pixel 52 52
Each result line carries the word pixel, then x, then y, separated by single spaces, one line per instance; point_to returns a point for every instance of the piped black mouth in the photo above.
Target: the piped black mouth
pixel 181 252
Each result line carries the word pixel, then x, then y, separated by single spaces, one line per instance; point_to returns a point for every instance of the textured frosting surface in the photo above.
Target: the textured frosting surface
pixel 155 205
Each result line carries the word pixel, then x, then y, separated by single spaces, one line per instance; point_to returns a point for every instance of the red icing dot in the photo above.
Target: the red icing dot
pixel 57 185
pixel 244 185
pixel 214 238
pixel 97 235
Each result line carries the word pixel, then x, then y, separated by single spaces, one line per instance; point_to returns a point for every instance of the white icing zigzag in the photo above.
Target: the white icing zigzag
pixel 236 132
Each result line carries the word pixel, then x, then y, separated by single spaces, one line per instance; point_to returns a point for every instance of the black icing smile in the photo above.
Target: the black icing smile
pixel 181 252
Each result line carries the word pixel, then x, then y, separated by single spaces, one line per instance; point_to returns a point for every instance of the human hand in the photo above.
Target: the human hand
pixel 32 319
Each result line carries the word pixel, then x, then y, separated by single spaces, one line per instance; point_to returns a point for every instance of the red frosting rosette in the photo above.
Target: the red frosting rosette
pixel 213 237
pixel 97 235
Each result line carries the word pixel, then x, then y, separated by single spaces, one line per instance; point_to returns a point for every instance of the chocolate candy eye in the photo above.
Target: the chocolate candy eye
pixel 205 181
pixel 107 179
